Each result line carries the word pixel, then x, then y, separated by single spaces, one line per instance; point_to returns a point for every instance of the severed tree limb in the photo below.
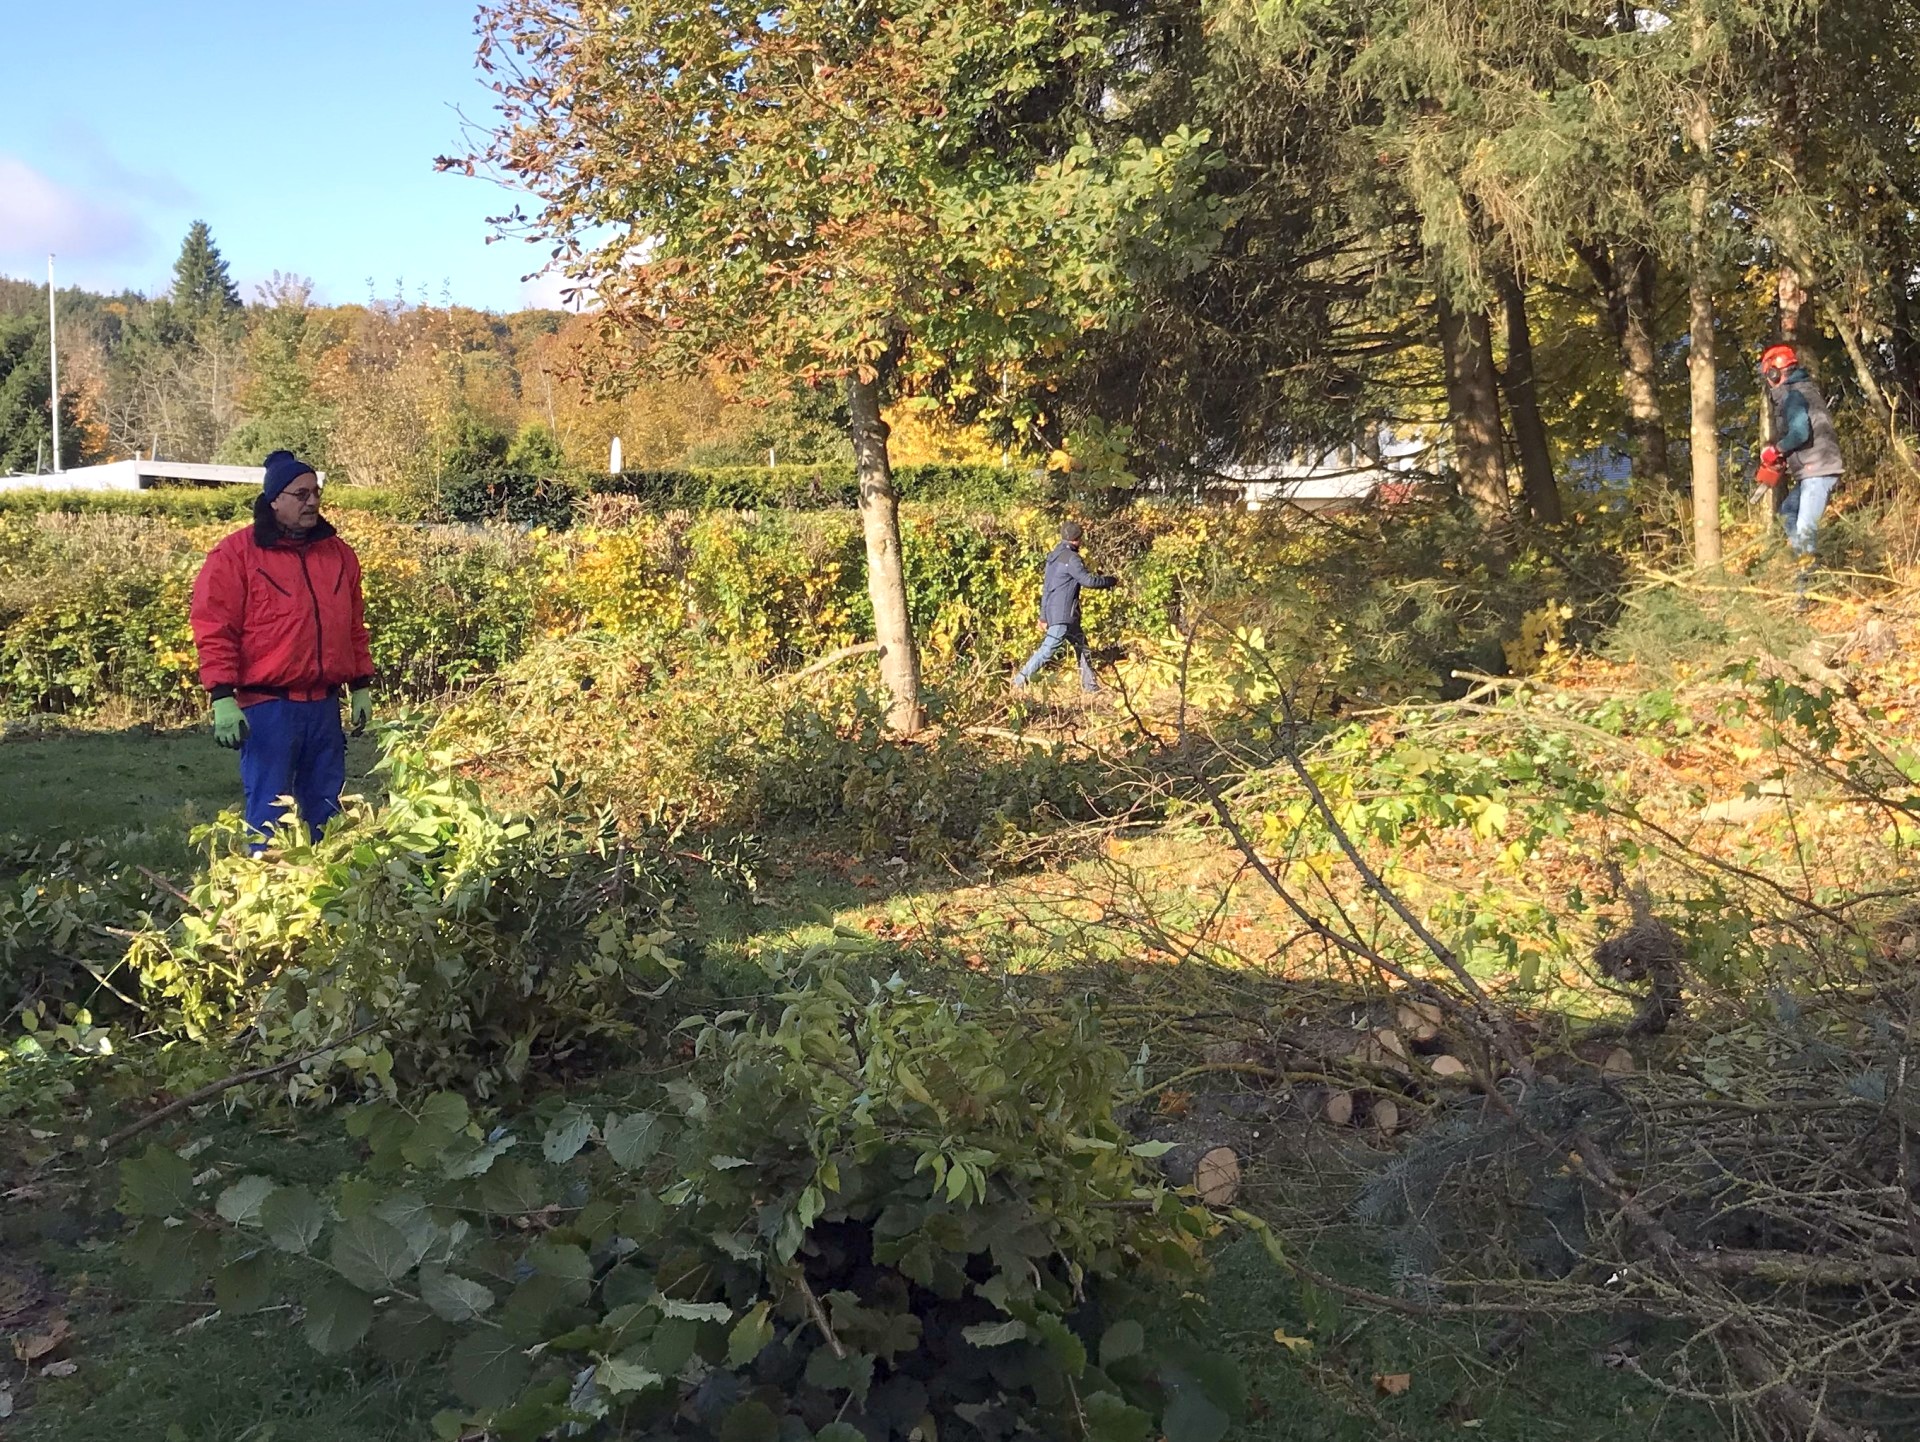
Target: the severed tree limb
pixel 225 1084
pixel 833 658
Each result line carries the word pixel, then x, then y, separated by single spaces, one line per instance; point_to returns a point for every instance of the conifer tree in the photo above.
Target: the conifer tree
pixel 201 285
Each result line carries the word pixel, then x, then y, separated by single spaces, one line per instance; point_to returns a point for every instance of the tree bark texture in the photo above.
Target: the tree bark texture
pixel 1703 370
pixel 1876 398
pixel 1627 283
pixel 1473 408
pixel 1523 409
pixel 886 572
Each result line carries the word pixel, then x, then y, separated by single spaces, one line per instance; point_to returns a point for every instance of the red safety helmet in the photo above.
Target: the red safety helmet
pixel 1781 358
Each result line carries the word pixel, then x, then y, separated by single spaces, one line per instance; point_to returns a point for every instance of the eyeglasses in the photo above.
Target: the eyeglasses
pixel 304 494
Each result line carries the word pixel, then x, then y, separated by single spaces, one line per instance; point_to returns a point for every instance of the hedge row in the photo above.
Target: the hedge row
pixel 531 500
pixel 527 500
pixel 191 505
pixel 93 608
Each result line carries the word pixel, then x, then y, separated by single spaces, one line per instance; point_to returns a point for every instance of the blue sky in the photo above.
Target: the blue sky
pixel 304 134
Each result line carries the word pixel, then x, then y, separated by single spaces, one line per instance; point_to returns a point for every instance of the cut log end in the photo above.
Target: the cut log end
pixel 1217 1178
pixel 1213 1171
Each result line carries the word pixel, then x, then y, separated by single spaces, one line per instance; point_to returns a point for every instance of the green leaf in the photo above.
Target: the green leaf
pixel 1150 1150
pixel 240 1203
pixel 1190 1417
pixel 633 1140
pixel 373 1255
pixel 560 1260
pixel 995 1334
pixel 241 1287
pixel 852 1373
pixel 723 1163
pixel 750 1335
pixel 293 1219
pixel 446 1110
pixel 1110 1419
pixel 567 1135
pixel 1065 1348
pixel 839 1432
pixel 751 1421
pixel 487 1369
pixel 1124 1339
pixel 512 1189
pixel 159 1183
pixel 455 1298
pixel 466 1158
pixel 337 1318
pixel 620 1377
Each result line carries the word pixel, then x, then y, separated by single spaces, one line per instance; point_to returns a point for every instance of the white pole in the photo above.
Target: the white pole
pixel 53 349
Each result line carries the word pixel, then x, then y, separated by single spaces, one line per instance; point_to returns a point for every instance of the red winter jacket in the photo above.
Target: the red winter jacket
pixel 275 619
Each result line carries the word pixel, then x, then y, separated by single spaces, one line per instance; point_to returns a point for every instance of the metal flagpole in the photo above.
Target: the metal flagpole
pixel 53 348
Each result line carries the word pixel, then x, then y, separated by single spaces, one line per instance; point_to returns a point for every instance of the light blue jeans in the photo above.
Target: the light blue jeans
pixel 1802 508
pixel 1057 637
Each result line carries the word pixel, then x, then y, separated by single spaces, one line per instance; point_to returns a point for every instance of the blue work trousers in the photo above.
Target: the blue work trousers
pixel 1801 509
pixel 1057 637
pixel 297 749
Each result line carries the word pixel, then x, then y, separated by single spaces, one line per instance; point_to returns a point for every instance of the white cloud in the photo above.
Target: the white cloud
pixel 546 291
pixel 38 214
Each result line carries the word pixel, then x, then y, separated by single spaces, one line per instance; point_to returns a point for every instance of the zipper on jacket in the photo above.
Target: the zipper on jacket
pixel 319 650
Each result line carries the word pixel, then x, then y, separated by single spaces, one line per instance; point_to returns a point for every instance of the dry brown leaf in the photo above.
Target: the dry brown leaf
pixel 1393 1384
pixel 35 1345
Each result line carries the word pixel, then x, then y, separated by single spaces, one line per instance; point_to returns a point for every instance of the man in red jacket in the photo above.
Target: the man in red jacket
pixel 281 629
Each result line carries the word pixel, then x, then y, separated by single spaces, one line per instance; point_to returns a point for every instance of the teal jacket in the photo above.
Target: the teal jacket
pixel 1803 427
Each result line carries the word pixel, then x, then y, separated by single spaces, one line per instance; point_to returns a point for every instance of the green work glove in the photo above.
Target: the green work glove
pixel 360 708
pixel 229 723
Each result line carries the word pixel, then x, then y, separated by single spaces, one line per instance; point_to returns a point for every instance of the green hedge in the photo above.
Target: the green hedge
pixel 190 505
pixel 527 500
pixel 93 608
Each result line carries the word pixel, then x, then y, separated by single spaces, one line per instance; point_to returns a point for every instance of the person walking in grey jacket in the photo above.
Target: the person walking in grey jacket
pixel 1066 577
pixel 1805 447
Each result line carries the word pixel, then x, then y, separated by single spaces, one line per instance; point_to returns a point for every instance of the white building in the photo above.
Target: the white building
pixel 135 475
pixel 1336 480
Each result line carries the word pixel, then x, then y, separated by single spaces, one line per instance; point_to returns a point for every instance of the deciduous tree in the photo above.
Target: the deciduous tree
pixel 887 194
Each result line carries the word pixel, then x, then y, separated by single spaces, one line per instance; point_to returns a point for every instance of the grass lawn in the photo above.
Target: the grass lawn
pixel 158 785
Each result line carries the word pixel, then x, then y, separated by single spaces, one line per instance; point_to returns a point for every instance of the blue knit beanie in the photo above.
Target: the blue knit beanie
pixel 283 469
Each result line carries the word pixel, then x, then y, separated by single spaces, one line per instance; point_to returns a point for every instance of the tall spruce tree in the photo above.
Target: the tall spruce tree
pixel 201 286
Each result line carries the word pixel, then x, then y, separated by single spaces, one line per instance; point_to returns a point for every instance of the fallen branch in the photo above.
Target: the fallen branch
pixel 225 1084
pixel 834 658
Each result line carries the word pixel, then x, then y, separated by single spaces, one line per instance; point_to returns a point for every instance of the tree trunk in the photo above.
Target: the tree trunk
pixel 886 573
pixel 1790 296
pixel 1906 337
pixel 1704 382
pixel 1641 368
pixel 1703 371
pixel 1628 287
pixel 1876 398
pixel 1523 407
pixel 1473 409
